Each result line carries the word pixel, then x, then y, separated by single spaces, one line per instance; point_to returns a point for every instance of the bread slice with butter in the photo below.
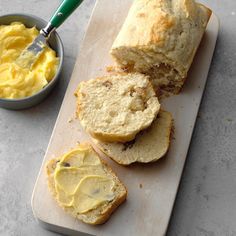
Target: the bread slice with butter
pixel 160 38
pixel 84 186
pixel 116 107
pixel 148 146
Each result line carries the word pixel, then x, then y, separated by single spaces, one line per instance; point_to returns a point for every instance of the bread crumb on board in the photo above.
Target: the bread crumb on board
pixel 115 69
pixel 70 120
pixel 111 68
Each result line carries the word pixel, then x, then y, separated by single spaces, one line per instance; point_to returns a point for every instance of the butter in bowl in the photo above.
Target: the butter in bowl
pixel 21 87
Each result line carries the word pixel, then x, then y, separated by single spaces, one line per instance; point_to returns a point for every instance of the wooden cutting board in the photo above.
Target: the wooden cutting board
pixel 152 188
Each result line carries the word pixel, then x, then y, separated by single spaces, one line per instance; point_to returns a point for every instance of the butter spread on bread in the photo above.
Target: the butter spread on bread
pixel 117 106
pixel 160 38
pixel 82 184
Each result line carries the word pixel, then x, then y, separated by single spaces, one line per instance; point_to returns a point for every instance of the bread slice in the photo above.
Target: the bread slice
pixel 160 38
pixel 148 146
pixel 117 106
pixel 100 214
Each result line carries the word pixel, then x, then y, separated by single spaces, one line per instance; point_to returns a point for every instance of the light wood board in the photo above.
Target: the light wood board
pixel 148 209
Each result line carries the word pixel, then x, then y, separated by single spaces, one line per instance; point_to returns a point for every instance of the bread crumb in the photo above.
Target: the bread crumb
pixel 110 68
pixel 141 14
pixel 114 69
pixel 140 186
pixel 70 120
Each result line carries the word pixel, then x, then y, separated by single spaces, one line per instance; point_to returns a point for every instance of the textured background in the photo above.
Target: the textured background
pixel 206 201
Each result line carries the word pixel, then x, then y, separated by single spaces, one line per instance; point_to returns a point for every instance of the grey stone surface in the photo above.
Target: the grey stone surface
pixel 24 135
pixel 205 204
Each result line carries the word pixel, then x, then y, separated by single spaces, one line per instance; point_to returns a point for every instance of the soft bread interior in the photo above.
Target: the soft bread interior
pixel 117 106
pixel 148 146
pixel 164 77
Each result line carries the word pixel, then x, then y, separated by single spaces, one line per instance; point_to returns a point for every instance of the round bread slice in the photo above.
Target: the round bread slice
pixel 116 107
pixel 100 214
pixel 148 146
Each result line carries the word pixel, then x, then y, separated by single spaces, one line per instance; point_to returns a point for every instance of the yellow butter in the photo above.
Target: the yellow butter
pixel 68 178
pixel 91 192
pixel 63 198
pixel 15 81
pixel 81 181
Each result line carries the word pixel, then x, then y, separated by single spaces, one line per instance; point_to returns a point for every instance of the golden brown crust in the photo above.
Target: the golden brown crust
pixel 104 217
pixel 208 11
pixel 159 31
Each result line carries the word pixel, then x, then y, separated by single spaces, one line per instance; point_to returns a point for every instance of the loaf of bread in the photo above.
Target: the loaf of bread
pixel 148 146
pixel 73 165
pixel 160 38
pixel 117 106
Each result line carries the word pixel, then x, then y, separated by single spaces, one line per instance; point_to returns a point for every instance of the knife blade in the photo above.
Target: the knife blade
pixel 30 54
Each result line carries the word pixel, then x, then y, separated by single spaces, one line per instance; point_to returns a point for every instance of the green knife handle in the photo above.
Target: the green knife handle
pixel 63 11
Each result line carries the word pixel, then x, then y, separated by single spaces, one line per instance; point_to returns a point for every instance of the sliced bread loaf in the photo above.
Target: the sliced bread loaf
pixel 116 107
pixel 148 146
pixel 160 38
pixel 77 168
